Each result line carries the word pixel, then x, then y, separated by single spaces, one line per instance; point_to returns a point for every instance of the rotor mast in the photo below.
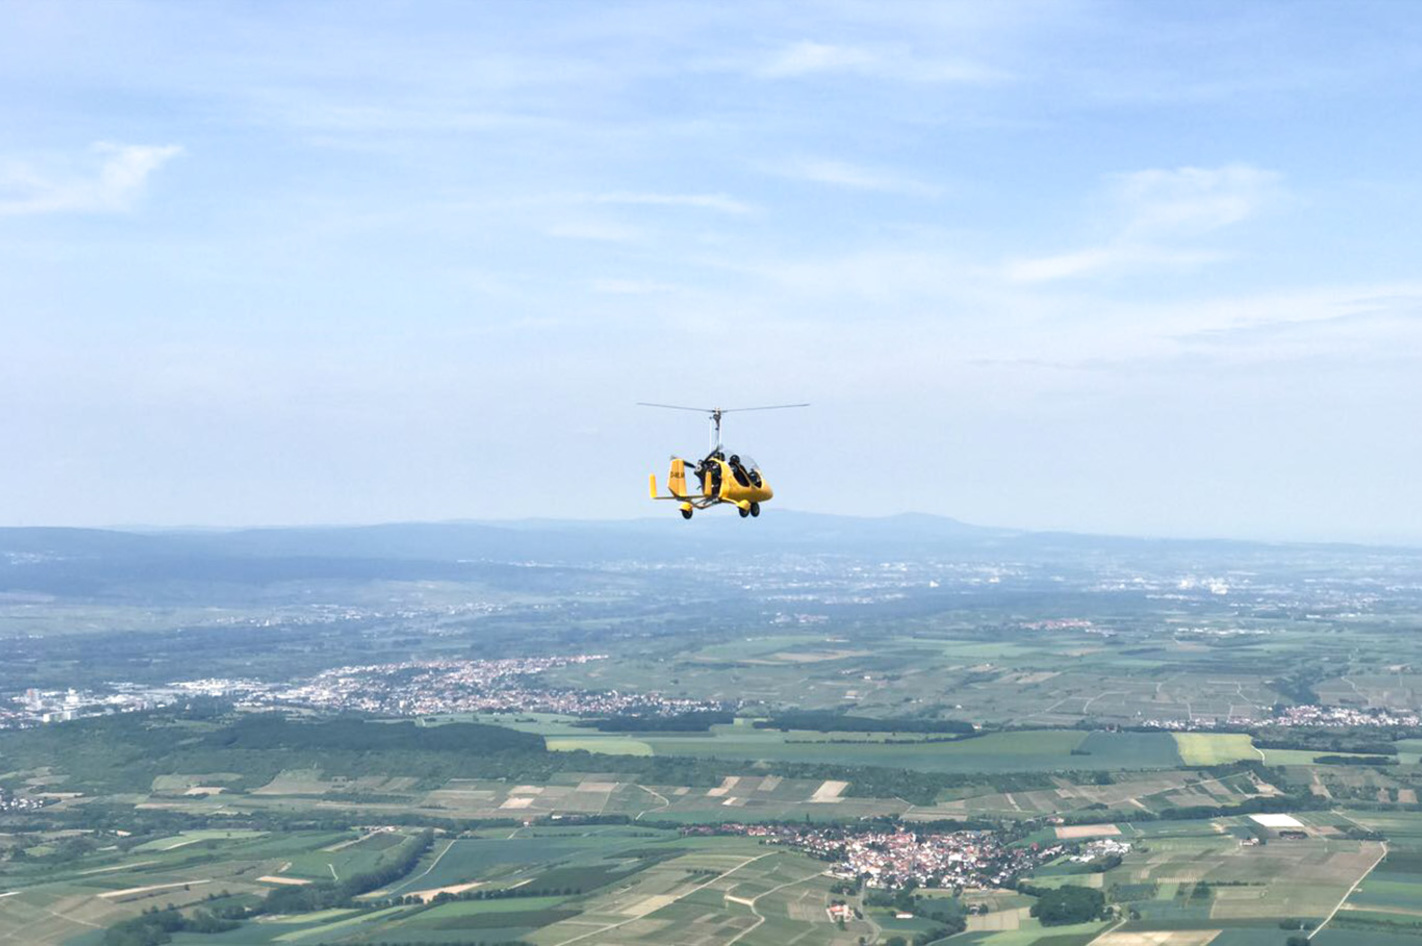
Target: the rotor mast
pixel 716 429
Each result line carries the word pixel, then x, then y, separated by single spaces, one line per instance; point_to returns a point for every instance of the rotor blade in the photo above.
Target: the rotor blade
pixel 720 410
pixel 678 407
pixel 772 407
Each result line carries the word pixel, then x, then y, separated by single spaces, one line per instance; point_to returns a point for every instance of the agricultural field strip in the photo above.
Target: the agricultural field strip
pixel 49 911
pixel 109 869
pixel 674 899
pixel 1340 903
pixel 344 844
pixel 131 891
pixel 358 919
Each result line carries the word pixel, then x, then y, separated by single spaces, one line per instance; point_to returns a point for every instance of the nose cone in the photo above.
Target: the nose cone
pixel 769 493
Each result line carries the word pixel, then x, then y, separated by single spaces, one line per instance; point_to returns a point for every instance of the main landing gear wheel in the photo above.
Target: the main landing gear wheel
pixel 755 509
pixel 686 514
pixel 744 512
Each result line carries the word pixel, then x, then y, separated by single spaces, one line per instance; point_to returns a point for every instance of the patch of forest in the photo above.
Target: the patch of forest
pixel 831 721
pixel 678 722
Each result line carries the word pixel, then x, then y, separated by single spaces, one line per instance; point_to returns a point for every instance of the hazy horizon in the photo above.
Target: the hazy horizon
pixel 1111 268
pixel 675 523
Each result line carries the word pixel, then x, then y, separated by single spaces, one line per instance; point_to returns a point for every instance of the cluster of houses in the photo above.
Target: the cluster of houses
pixel 1306 715
pixel 10 802
pixel 1101 848
pixel 420 688
pixel 893 859
pixel 415 688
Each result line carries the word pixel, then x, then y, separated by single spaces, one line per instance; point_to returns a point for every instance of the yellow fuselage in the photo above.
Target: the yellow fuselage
pixel 731 489
pixel 719 484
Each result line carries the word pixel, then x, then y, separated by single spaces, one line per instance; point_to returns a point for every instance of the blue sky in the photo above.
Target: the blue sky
pixel 1149 268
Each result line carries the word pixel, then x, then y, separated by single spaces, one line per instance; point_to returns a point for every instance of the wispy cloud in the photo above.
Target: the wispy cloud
pixel 630 287
pixel 604 231
pixel 808 58
pixel 1191 200
pixel 1155 214
pixel 842 174
pixel 113 186
pixel 716 202
pixel 1100 259
pixel 1376 320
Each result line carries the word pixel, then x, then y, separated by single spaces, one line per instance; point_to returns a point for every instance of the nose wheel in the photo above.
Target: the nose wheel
pixel 744 512
pixel 755 509
pixel 686 514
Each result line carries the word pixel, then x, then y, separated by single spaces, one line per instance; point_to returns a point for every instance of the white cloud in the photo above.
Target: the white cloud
pixel 1156 212
pixel 806 58
pixel 841 174
pixel 1063 265
pixel 114 186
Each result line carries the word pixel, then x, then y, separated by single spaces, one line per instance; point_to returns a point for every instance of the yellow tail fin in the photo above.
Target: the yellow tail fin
pixel 676 480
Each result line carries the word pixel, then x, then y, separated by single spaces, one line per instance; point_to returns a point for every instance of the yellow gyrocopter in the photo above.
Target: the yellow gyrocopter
pixel 734 480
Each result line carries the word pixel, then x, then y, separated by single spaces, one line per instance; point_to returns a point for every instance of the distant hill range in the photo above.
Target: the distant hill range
pixel 102 562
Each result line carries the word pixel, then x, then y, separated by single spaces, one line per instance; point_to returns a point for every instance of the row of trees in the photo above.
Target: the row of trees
pixel 699 721
pixel 155 927
pixel 831 721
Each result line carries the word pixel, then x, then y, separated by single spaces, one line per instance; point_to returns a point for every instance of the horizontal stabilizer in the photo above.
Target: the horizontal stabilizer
pixel 677 485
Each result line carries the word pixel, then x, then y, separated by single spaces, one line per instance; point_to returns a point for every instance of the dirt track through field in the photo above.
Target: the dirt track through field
pixel 759 917
pixel 1360 879
pixel 673 899
pixel 131 891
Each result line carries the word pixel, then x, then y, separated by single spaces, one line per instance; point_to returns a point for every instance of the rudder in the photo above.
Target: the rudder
pixel 676 480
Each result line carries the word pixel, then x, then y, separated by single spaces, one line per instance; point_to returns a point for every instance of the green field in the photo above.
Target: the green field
pixel 614 745
pixel 508 860
pixel 1019 751
pixel 51 904
pixel 1389 900
pixel 193 837
pixel 345 859
pixel 1215 748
